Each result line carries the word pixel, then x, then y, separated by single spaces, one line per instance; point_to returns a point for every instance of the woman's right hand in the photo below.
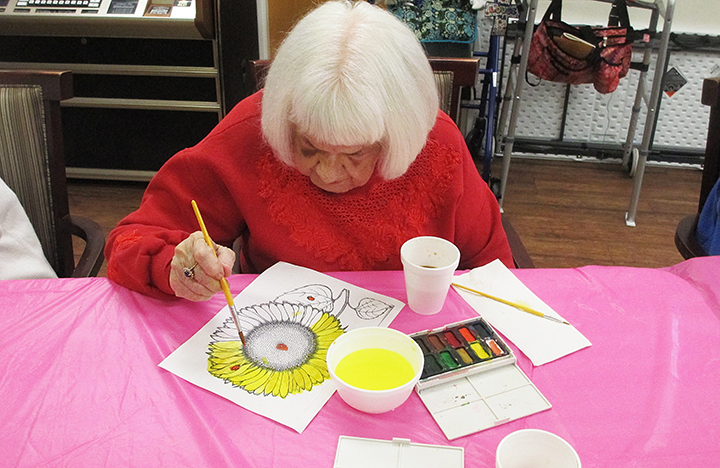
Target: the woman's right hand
pixel 204 269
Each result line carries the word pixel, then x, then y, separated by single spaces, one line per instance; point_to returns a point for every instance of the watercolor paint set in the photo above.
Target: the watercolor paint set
pixel 471 380
pixel 454 350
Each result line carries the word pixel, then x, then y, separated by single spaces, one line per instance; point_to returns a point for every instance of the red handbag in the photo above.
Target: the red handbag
pixel 563 53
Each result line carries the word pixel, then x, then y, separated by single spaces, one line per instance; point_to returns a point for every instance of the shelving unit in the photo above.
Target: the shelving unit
pixel 648 93
pixel 151 77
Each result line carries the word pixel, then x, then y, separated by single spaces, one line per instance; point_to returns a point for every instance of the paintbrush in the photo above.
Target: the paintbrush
pixel 223 282
pixel 513 304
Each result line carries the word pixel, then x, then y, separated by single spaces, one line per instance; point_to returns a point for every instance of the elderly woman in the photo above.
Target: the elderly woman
pixel 339 160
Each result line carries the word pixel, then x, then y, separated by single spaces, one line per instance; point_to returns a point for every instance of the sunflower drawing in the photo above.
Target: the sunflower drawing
pixel 285 348
pixel 321 297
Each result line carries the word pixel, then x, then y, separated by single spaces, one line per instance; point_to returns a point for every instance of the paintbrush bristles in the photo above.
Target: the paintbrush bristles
pixel 236 319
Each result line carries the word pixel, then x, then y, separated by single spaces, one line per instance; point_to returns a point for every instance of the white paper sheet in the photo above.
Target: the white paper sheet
pixel 541 340
pixel 284 313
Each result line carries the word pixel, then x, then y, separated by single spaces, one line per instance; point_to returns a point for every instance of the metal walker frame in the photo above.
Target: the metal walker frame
pixel 633 158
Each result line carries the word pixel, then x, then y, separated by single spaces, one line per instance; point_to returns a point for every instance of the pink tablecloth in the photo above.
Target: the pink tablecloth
pixel 80 386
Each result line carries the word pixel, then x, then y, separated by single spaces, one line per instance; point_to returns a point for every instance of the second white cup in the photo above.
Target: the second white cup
pixel 535 448
pixel 429 264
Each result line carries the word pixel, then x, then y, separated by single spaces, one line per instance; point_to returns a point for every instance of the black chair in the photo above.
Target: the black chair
pixel 685 239
pixel 451 75
pixel 32 164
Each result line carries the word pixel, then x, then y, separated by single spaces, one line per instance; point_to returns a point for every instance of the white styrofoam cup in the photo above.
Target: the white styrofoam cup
pixel 429 264
pixel 535 448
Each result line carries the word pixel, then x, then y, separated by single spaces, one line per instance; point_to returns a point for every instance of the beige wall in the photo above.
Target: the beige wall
pixel 282 16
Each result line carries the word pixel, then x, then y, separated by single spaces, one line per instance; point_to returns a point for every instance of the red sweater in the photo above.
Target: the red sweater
pixel 243 191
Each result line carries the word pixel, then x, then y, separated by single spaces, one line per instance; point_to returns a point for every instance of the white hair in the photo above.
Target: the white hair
pixel 351 74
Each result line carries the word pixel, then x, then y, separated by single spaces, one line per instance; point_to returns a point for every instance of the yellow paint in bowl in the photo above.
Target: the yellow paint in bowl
pixel 374 369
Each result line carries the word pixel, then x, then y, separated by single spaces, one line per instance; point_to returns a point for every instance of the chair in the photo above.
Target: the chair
pixel 255 73
pixel 685 240
pixel 32 164
pixel 451 75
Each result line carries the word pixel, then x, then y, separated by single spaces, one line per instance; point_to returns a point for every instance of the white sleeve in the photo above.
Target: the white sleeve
pixel 21 255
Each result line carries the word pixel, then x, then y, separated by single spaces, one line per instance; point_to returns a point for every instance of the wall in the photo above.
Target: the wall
pixel 603 120
pixel 276 18
pixel 691 16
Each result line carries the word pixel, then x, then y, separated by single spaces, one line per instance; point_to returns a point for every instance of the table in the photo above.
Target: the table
pixel 80 385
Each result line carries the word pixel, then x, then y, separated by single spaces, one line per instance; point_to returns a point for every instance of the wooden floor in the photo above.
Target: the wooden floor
pixel 571 214
pixel 106 203
pixel 568 213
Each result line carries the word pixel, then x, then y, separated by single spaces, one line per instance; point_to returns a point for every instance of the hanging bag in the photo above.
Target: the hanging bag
pixel 563 53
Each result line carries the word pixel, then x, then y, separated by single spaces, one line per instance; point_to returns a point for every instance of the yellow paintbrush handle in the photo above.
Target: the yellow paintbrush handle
pixel 511 304
pixel 226 290
pixel 223 282
pixel 202 226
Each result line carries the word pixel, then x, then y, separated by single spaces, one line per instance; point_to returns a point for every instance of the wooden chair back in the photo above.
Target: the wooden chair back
pixel 32 164
pixel 451 76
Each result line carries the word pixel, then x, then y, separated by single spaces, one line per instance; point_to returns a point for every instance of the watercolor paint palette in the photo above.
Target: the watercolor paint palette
pixel 471 381
pixel 358 452
pixel 454 350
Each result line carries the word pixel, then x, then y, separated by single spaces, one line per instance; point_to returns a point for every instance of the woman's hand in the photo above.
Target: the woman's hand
pixel 204 270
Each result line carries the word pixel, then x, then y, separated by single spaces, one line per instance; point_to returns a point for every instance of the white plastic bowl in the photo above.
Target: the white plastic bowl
pixel 534 448
pixel 375 401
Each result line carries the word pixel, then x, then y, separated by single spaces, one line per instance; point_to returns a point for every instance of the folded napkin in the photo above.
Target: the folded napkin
pixel 541 340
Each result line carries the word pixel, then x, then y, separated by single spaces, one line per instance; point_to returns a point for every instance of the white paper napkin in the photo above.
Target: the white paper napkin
pixel 541 340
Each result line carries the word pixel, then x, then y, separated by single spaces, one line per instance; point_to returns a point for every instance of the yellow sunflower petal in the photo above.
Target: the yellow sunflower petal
pixel 331 328
pixel 253 374
pixel 320 323
pixel 234 358
pixel 294 386
pixel 222 371
pixel 275 389
pixel 291 384
pixel 325 339
pixel 325 321
pixel 313 372
pixel 270 383
pixel 302 379
pixel 283 387
pixel 224 353
pixel 229 346
pixel 320 365
pixel 258 383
